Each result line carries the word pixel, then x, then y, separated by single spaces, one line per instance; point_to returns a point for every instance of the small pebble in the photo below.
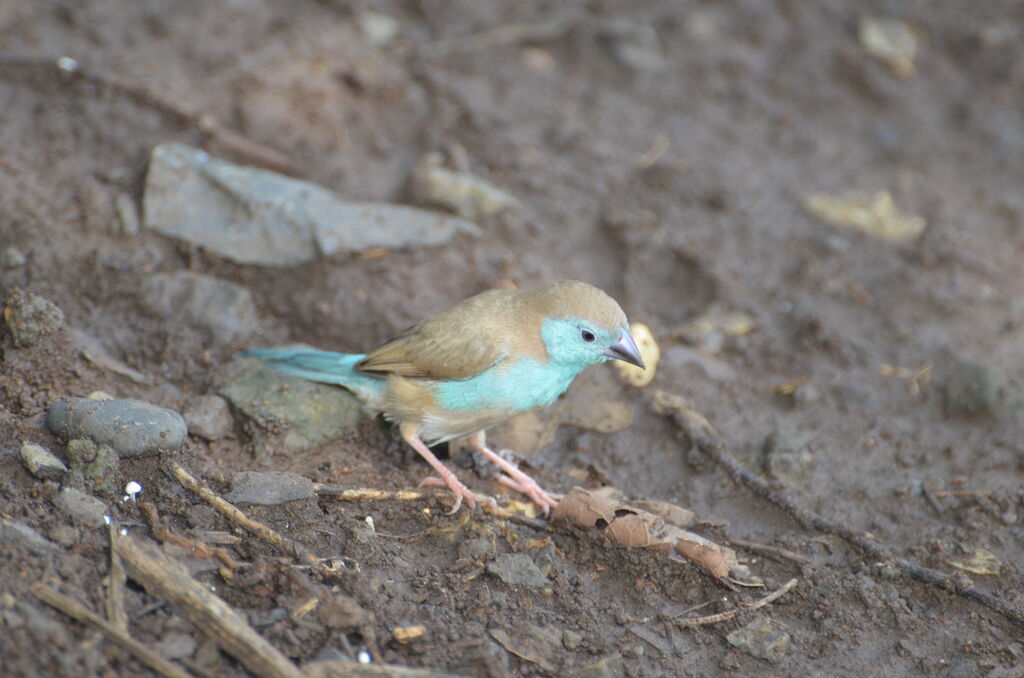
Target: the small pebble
pixel 763 638
pixel 269 488
pixel 611 666
pixel 977 389
pixel 13 531
pixel 42 463
pixel 30 318
pixel 571 640
pixel 82 507
pixel 209 417
pixel 518 569
pixel 12 257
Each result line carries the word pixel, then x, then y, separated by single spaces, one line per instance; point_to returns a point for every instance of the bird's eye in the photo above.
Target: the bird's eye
pixel 588 336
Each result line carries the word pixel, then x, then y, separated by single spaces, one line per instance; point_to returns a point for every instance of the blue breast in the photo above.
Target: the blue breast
pixel 520 385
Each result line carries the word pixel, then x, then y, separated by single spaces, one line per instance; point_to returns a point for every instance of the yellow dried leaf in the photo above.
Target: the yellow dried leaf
pixel 982 562
pixel 650 353
pixel 407 634
pixel 877 217
pixel 891 41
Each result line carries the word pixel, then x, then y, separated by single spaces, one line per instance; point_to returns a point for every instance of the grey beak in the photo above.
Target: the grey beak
pixel 625 350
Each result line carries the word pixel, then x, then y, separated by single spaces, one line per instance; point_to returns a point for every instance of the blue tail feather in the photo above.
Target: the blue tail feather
pixel 326 367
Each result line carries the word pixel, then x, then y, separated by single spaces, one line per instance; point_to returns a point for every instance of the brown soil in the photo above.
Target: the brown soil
pixel 757 105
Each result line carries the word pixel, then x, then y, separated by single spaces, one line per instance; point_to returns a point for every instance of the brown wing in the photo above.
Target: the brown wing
pixel 457 343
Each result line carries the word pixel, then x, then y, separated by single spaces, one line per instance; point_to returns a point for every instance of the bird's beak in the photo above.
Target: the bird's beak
pixel 625 350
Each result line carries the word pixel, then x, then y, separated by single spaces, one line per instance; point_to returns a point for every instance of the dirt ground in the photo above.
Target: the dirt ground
pixel 660 150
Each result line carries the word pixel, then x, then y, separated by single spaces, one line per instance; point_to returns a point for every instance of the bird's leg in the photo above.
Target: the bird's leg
pixel 410 432
pixel 515 478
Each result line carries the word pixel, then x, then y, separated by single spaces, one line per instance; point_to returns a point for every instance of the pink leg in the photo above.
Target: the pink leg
pixel 411 434
pixel 515 478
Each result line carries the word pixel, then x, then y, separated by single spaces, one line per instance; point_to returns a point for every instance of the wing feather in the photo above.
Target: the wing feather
pixel 457 343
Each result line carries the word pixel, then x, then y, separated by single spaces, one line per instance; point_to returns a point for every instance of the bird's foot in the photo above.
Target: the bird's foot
pixel 516 479
pixel 462 492
pixel 528 486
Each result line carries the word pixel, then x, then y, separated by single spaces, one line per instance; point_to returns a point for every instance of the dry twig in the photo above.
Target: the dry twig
pixel 701 433
pixel 238 517
pixel 774 551
pixel 73 608
pixel 235 143
pixel 735 612
pixel 168 580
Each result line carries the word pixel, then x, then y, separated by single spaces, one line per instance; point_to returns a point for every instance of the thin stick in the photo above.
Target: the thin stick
pixel 341 493
pixel 344 668
pixel 168 580
pixel 736 611
pixel 116 579
pixel 76 610
pixel 785 554
pixel 701 433
pixel 238 517
pixel 245 148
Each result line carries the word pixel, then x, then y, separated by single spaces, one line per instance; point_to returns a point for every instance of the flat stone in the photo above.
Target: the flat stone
pixel 13 531
pixel 225 310
pixel 82 507
pixel 133 428
pixel 293 414
pixel 209 417
pixel 467 195
pixel 42 463
pixel 518 569
pixel 252 216
pixel 269 488
pixel 763 638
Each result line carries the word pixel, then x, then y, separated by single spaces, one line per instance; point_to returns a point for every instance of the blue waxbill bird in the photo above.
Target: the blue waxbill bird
pixel 474 365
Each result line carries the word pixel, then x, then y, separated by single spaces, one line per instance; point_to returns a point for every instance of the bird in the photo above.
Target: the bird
pixel 478 363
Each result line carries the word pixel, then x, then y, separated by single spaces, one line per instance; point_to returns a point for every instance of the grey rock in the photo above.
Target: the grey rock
pixel 611 666
pixel 293 414
pixel 518 569
pixel 253 216
pixel 785 455
pixel 29 317
pixel 476 549
pixel 977 389
pixel 465 194
pixel 132 427
pixel 176 646
pixel 763 638
pixel 634 45
pixel 225 310
pixel 81 506
pixel 269 488
pixel 963 667
pixel 12 257
pixel 571 640
pixel 13 531
pixel 209 417
pixel 42 463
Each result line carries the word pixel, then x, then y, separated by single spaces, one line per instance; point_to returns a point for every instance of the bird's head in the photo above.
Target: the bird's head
pixel 582 326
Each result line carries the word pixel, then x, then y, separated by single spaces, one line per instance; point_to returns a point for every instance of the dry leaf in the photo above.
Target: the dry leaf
pixel 982 562
pixel 877 217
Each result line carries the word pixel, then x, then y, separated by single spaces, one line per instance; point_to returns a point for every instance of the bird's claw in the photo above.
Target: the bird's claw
pixel 462 492
pixel 528 486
